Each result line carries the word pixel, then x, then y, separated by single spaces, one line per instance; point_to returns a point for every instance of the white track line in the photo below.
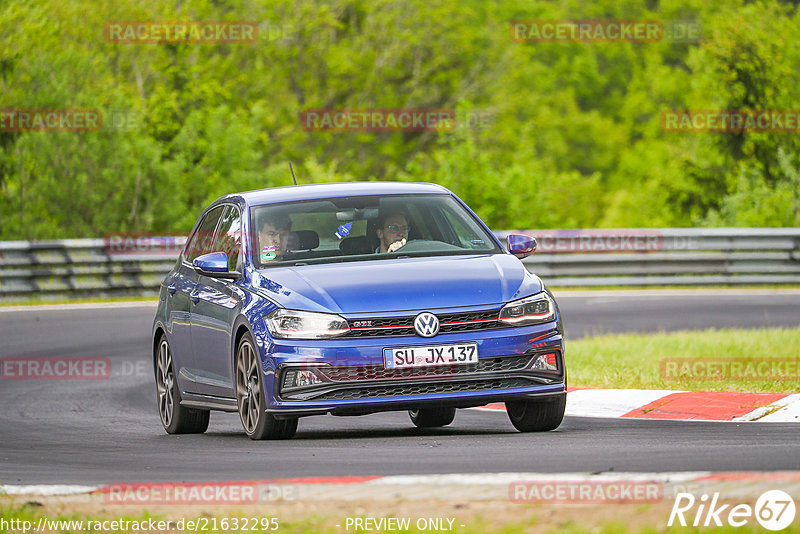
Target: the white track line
pixel 46 489
pixel 610 402
pixel 785 410
pixel 503 479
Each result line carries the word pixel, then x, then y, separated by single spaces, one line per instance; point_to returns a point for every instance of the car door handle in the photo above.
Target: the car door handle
pixel 195 298
pixel 171 289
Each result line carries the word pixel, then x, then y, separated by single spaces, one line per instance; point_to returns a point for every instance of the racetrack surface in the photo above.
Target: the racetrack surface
pixel 108 431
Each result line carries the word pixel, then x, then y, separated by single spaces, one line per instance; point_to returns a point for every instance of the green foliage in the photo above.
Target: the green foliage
pixel 753 201
pixel 575 139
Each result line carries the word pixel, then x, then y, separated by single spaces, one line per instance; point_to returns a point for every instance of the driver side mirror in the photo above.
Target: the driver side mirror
pixel 215 264
pixel 521 245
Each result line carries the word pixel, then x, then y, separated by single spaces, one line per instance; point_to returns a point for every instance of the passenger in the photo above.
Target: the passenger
pixel 392 232
pixel 273 237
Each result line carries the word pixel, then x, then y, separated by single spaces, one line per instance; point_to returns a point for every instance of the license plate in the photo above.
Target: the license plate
pixel 427 356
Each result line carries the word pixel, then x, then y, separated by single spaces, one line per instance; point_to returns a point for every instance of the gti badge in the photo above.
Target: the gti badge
pixel 426 324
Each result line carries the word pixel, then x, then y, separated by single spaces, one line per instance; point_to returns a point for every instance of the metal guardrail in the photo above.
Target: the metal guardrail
pixel 674 256
pixel 85 267
pixel 627 257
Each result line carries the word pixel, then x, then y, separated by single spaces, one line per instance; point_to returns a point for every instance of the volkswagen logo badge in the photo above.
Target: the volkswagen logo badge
pixel 426 324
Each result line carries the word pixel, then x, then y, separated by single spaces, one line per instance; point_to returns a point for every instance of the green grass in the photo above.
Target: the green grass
pixel 31 511
pixel 636 360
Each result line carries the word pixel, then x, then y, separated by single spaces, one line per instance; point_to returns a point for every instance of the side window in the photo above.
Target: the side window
pixel 229 236
pixel 203 239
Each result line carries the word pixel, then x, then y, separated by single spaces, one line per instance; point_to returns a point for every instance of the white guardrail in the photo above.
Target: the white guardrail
pixel 135 265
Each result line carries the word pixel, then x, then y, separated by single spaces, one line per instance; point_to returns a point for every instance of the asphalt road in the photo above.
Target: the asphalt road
pixel 108 431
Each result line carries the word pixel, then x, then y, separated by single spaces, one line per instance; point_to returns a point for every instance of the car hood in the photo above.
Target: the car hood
pixel 398 284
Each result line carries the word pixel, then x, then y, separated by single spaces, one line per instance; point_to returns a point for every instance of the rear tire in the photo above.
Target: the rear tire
pixel 537 415
pixel 176 419
pixel 257 423
pixel 432 417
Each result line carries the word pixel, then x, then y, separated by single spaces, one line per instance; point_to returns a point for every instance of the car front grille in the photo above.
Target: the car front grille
pixel 448 323
pixel 378 372
pixel 401 390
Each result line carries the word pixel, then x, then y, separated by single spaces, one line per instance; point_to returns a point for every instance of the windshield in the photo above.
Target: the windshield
pixel 364 228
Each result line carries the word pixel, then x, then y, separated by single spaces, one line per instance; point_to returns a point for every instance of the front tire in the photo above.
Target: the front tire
pixel 537 415
pixel 257 423
pixel 432 417
pixel 176 419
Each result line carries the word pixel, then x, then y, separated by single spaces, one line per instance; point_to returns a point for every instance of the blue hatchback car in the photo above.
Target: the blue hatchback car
pixel 349 299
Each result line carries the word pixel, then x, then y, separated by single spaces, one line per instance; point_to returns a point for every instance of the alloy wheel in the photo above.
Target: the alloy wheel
pixel 164 383
pixel 248 387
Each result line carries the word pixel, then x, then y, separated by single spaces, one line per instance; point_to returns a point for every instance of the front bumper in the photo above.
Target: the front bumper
pixel 353 380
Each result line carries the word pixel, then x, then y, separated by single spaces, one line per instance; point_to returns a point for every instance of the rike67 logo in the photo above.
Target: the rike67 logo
pixel 774 510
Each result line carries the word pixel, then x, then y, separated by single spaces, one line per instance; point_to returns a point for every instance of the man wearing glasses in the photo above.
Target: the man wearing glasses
pixel 392 232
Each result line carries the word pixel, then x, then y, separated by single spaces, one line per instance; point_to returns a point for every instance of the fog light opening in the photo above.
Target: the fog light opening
pixel 300 377
pixel 546 362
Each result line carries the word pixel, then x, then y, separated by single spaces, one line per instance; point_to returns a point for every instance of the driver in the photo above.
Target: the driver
pixel 392 232
pixel 273 237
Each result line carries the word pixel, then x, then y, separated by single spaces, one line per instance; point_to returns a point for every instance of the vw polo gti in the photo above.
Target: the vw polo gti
pixel 350 299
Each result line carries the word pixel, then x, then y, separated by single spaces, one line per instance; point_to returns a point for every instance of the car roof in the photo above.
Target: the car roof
pixel 318 191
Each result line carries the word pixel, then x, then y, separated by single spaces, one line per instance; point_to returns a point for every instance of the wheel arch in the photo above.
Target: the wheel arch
pixel 241 330
pixel 240 327
pixel 157 333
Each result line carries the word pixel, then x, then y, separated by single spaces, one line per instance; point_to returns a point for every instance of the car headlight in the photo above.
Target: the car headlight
pixel 291 324
pixel 538 308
